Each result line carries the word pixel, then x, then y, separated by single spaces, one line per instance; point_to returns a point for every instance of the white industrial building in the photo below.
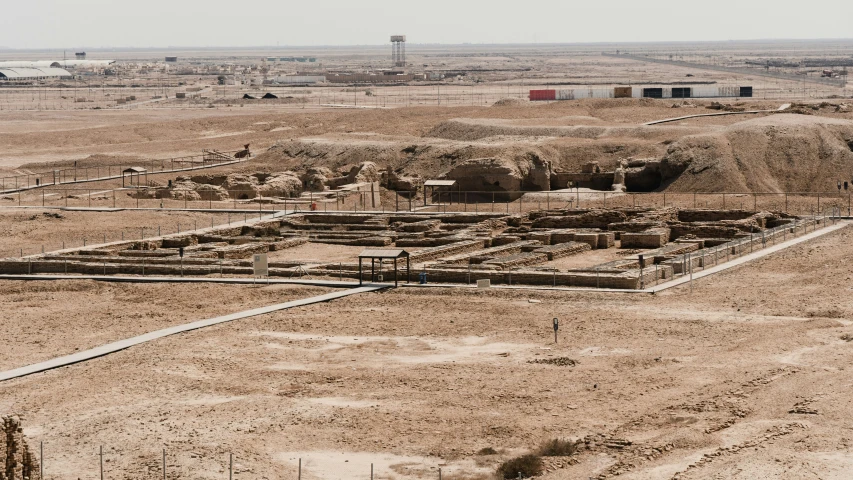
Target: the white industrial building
pixel 55 63
pixel 16 74
pixel 299 79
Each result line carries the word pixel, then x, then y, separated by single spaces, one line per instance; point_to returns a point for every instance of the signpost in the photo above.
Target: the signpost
pixel 556 327
pixel 260 264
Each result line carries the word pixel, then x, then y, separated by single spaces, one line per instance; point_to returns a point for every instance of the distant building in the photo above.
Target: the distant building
pixel 299 79
pixel 171 59
pixel 21 74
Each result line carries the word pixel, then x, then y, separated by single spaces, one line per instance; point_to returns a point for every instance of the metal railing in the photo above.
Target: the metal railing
pixel 685 264
pixel 83 174
pixel 153 196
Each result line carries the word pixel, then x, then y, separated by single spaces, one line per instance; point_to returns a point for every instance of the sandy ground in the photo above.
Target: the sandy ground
pixel 114 311
pixel 31 229
pixel 744 378
pixel 62 137
pixel 411 380
pixel 318 253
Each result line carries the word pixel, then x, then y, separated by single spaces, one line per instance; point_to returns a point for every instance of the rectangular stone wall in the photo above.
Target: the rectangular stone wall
pixel 656 238
pixel 701 215
pixel 431 253
pixel 16 460
pixel 518 260
pixel 503 250
pixel 563 250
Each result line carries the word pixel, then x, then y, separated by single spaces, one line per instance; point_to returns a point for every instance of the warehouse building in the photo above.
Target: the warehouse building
pixel 55 63
pixel 21 74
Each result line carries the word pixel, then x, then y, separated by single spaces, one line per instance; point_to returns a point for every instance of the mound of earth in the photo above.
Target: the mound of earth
pixel 432 158
pixel 463 129
pixel 510 102
pixel 772 154
pixel 778 152
pixel 225 187
pixel 523 173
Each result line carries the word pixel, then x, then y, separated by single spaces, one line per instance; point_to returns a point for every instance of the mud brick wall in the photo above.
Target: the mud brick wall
pixel 16 460
pixel 590 239
pixel 656 238
pixel 321 237
pixel 503 250
pixel 544 237
pixel 456 248
pixel 289 243
pixel 606 240
pixel 373 242
pixel 563 250
pixel 627 280
pixel 338 218
pixel 182 241
pixel 702 215
pixel 505 240
pixel 431 242
pixel 634 227
pixel 568 235
pixel 591 219
pixel 362 241
pixel 518 260
pixel 422 226
pixel 266 228
pixel 242 251
pixel 678 230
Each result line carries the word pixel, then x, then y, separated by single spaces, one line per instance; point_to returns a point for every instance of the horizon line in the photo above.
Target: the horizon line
pixel 464 44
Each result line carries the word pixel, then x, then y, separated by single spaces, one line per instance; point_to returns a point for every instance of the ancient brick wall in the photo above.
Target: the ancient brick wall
pixel 16 460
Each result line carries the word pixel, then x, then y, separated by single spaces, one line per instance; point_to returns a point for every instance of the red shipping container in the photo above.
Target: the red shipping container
pixel 542 95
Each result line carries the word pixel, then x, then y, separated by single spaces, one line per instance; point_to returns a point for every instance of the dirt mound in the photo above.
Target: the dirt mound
pixel 510 102
pixel 432 158
pixel 96 160
pixel 422 158
pixel 462 129
pixel 522 173
pixel 772 154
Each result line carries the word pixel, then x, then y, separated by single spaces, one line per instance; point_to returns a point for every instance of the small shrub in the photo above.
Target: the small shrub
pixel 559 361
pixel 527 465
pixel 558 448
pixel 487 451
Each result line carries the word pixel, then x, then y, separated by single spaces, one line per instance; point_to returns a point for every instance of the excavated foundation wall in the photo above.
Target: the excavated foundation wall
pixel 16 460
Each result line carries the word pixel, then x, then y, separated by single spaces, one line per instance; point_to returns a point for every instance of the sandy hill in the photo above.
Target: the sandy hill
pixel 773 154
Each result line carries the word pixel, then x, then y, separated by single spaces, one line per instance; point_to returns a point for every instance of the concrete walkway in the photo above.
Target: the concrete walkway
pixel 150 337
pixel 719 114
pixel 156 279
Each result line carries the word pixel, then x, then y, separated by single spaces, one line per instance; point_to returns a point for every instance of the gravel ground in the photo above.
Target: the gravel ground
pixel 414 379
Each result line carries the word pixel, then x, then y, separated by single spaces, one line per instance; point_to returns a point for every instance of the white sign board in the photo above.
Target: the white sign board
pixel 484 283
pixel 260 264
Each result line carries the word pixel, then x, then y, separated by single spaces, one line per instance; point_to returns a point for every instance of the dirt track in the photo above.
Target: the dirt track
pixel 428 377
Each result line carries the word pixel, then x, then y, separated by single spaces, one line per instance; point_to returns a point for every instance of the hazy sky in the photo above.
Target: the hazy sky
pixel 161 23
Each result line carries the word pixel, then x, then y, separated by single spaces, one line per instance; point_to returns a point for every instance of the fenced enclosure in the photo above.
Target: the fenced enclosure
pixel 73 196
pixel 97 173
pixel 794 203
pixel 168 463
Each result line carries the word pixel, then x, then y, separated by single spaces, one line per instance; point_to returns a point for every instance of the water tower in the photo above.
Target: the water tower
pixel 398 50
